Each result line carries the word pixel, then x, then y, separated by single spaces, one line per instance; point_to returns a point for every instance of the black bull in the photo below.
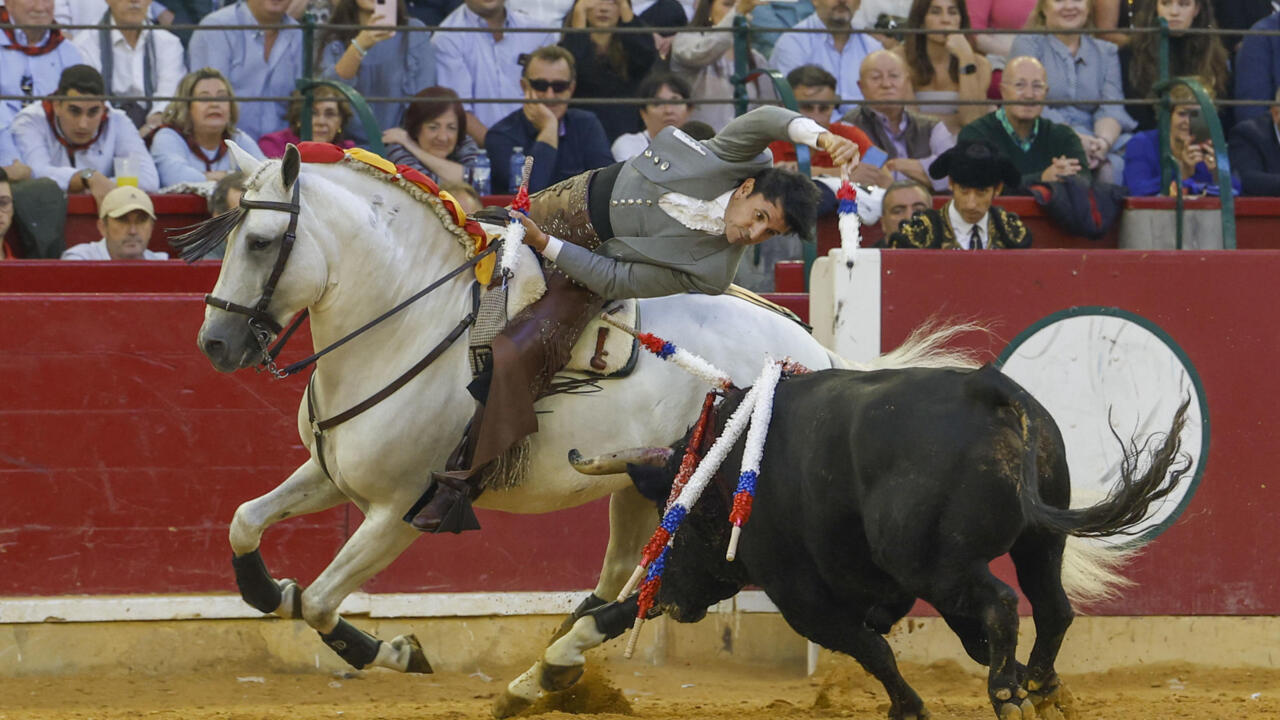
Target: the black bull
pixel 878 488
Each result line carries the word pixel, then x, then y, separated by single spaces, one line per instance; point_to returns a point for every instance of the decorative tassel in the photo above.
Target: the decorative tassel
pixel 849 224
pixel 684 359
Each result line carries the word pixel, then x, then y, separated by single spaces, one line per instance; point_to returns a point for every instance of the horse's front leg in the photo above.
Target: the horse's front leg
pixel 307 490
pixel 632 519
pixel 379 540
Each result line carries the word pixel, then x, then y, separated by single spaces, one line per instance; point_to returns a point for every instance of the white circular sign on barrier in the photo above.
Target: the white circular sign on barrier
pixel 1097 368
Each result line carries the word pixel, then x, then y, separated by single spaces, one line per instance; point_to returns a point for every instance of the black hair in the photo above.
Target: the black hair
pixel 654 82
pixel 811 76
pixel 698 130
pixel 81 78
pixel 795 194
pixel 4 176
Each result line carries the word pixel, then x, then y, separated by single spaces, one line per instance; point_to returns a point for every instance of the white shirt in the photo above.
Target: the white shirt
pixel 964 229
pixel 706 215
pixel 98 251
pixel 47 157
pixel 169 63
pixel 630 145
pixel 795 49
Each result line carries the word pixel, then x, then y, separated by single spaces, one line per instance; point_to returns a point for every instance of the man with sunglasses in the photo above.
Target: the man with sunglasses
pixel 563 141
pixel 677 218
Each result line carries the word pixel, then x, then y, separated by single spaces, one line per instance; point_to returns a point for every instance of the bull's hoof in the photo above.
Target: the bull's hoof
pixel 509 705
pixel 555 678
pixel 1023 710
pixel 920 713
pixel 1052 700
pixel 418 662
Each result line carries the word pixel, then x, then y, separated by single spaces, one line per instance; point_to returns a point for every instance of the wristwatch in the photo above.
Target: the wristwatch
pixel 85 175
pixel 969 69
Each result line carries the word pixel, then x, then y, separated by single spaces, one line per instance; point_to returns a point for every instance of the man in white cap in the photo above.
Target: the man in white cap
pixel 126 218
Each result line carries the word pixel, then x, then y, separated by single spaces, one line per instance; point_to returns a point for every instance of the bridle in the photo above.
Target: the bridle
pixel 261 324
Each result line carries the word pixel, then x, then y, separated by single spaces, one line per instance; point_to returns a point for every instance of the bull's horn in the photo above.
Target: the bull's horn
pixel 616 462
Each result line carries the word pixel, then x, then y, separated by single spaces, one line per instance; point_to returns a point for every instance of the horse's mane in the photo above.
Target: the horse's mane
pixel 201 238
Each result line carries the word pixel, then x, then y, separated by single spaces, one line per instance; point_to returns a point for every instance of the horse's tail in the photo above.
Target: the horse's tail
pixel 926 347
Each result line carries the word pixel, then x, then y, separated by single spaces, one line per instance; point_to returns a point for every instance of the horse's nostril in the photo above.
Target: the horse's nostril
pixel 214 348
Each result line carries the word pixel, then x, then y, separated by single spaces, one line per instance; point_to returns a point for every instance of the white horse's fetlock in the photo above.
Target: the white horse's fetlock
pixel 521 693
pixel 568 650
pixel 290 599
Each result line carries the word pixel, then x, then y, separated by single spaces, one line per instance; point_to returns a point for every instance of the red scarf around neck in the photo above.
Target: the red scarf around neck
pixel 50 43
pixel 71 147
pixel 195 146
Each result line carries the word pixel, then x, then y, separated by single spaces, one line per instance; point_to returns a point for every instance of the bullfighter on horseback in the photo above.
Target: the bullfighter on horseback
pixel 675 219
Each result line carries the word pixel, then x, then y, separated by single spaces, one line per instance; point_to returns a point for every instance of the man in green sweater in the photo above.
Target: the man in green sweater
pixel 1042 150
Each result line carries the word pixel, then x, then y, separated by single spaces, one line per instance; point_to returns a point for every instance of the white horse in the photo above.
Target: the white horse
pixel 363 245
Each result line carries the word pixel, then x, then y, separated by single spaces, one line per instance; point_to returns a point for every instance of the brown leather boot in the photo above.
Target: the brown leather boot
pixel 446 505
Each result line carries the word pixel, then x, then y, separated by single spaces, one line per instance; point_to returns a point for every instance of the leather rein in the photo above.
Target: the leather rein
pixel 263 326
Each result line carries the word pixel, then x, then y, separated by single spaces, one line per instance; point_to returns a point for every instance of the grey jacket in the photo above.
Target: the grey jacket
pixel 653 254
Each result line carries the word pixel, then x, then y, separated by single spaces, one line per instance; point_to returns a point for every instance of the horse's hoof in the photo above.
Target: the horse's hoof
pixel 509 705
pixel 555 678
pixel 417 659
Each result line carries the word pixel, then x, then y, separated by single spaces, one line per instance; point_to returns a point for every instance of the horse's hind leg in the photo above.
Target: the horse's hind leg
pixel 379 540
pixel 1037 557
pixel 632 519
pixel 305 491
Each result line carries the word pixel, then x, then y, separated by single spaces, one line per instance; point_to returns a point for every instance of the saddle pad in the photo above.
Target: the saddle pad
pixel 616 356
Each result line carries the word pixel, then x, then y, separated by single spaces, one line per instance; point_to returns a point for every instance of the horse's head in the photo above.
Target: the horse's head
pixel 272 267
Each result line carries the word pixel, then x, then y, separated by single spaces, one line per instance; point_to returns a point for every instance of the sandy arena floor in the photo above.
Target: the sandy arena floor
pixel 618 689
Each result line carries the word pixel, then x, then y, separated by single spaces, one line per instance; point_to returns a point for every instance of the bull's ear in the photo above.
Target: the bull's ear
pixel 654 483
pixel 290 166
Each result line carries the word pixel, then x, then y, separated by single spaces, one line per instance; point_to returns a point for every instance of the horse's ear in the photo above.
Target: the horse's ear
pixel 247 163
pixel 290 166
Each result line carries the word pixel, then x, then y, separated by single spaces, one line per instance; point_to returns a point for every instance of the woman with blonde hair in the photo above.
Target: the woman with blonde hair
pixel 944 66
pixel 1084 69
pixel 1195 155
pixel 189 147
pixel 330 116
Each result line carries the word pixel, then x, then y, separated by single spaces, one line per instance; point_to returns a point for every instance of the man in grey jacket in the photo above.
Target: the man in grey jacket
pixel 677 218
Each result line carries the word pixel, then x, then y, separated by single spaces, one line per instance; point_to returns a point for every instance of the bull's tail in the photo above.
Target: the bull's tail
pixel 1090 570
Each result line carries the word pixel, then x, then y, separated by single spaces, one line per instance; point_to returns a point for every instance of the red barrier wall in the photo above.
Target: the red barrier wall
pixel 123 454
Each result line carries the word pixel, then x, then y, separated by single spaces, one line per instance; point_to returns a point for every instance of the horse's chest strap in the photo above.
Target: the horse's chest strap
pixel 318 427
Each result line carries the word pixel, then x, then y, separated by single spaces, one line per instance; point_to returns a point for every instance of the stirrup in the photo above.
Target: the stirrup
pixel 444 507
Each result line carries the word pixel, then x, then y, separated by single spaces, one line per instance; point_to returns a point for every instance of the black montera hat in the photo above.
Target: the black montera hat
pixel 976 164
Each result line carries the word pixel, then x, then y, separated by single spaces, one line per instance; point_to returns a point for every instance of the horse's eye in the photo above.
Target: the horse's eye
pixel 259 244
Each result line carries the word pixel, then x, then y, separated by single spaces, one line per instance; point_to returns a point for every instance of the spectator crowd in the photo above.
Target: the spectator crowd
pixel 444 78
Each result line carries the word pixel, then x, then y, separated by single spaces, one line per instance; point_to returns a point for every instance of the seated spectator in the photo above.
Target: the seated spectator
pixel 1239 15
pixel 377 62
pixel 126 218
pixel 89 12
pixel 1110 15
pixel 998 15
pixel 563 141
pixel 6 204
pixel 32 60
pixel 1254 149
pixel 258 63
pixel 903 200
pixel 778 17
pixel 330 118
pixel 190 147
pixel 663 14
pixel 1260 55
pixel 707 59
pixel 1081 68
pixel 1040 149
pixel 75 142
pixel 945 67
pixel 466 196
pixel 912 141
pixel 484 65
pixel 143 63
pixel 1199 55
pixel 39 205
pixel 609 64
pixel 227 193
pixel 659 86
pixel 1196 158
pixel 815 91
pixel 978 173
pixel 433 139
pixel 837 50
